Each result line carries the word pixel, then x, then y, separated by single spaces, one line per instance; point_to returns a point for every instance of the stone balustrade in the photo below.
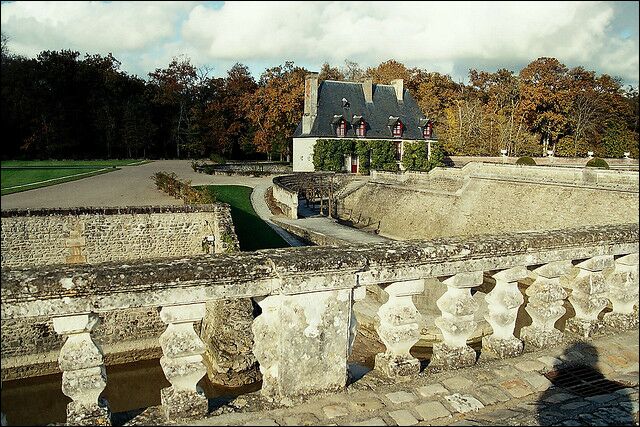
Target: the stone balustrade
pixel 303 336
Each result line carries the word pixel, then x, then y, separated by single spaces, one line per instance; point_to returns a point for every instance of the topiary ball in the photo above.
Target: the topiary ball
pixel 597 162
pixel 526 160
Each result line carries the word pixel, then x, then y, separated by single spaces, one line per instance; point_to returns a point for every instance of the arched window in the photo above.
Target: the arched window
pixel 361 128
pixel 341 128
pixel 397 129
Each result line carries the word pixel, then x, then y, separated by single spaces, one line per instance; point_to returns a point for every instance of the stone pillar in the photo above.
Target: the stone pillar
pixel 456 322
pixel 399 329
pixel 83 373
pixel 226 332
pixel 545 306
pixel 303 341
pixel 182 362
pixel 623 293
pixel 503 303
pixel 588 295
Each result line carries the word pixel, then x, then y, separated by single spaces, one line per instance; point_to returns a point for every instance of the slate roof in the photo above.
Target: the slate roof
pixel 376 114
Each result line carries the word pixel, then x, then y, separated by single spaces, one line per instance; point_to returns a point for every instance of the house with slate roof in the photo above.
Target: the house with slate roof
pixel 337 109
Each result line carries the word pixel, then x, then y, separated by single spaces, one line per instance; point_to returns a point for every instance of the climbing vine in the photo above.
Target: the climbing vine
pixel 328 154
pixel 414 156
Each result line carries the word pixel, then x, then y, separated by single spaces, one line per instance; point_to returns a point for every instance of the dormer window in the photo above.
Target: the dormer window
pixel 427 128
pixel 341 128
pixel 340 125
pixel 397 129
pixel 396 126
pixel 359 125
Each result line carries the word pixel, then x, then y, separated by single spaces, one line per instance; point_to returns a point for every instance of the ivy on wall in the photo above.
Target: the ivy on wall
pixel 328 155
pixel 414 156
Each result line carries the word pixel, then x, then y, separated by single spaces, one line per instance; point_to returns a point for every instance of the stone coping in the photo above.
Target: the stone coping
pixel 292 182
pixel 116 210
pixel 67 289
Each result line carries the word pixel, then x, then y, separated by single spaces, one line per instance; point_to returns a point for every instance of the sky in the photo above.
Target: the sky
pixel 447 37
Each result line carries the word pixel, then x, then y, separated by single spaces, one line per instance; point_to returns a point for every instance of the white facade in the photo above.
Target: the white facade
pixel 303 154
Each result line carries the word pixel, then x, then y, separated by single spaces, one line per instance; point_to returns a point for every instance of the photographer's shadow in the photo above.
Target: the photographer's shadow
pixel 575 391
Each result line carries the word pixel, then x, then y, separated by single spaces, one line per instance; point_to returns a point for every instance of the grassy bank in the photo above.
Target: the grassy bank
pixel 253 233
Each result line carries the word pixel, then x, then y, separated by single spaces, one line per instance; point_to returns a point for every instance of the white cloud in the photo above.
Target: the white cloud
pixel 90 26
pixel 440 36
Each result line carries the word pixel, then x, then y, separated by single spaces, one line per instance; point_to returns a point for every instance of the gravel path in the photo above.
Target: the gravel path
pixel 133 186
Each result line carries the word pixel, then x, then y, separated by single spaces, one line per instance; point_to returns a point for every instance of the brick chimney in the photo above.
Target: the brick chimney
pixel 367 88
pixel 310 102
pixel 398 85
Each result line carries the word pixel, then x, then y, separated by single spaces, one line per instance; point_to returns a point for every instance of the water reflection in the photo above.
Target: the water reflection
pixel 130 386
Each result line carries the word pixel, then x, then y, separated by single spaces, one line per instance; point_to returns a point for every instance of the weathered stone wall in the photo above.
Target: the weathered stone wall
pixel 76 236
pixel 483 199
pixel 30 346
pixel 286 200
pixel 579 162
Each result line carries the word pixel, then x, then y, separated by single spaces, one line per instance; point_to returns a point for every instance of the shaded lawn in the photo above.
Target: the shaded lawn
pixel 32 178
pixel 253 233
pixel 74 163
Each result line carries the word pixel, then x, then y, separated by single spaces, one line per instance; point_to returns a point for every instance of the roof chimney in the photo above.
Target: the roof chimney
pixel 367 88
pixel 310 102
pixel 398 85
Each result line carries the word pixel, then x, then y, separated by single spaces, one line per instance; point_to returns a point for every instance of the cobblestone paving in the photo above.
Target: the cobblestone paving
pixel 493 392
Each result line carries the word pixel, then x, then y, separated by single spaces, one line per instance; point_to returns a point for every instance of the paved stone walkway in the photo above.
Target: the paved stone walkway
pixel 493 392
pixel 329 227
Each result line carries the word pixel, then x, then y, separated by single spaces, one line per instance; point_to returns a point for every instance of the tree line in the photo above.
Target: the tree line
pixel 62 105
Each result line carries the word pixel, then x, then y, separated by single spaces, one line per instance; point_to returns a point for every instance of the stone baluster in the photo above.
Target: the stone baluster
pixel 399 329
pixel 457 322
pixel 623 293
pixel 83 371
pixel 545 305
pixel 303 342
pixel 588 295
pixel 182 362
pixel 503 303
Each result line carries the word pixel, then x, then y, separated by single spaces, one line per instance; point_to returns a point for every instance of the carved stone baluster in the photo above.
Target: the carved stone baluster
pixel 503 303
pixel 399 329
pixel 182 362
pixel 456 322
pixel 588 295
pixel 83 372
pixel 623 293
pixel 303 341
pixel 545 305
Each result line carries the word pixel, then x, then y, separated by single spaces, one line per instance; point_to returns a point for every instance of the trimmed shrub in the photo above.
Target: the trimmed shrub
pixel 597 162
pixel 170 184
pixel 526 160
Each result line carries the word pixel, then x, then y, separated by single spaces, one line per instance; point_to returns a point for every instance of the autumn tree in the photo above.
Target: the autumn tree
pixel 545 99
pixel 387 71
pixel 352 72
pixel 175 87
pixel 327 72
pixel 275 108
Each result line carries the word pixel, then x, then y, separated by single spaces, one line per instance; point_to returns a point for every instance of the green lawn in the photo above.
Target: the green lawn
pixel 22 175
pixel 16 180
pixel 253 233
pixel 73 163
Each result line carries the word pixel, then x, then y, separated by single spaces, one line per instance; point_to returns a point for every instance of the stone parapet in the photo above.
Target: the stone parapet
pixel 303 337
pixel 65 289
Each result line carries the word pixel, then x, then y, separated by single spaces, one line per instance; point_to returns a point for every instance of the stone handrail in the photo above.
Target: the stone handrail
pixel 312 290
